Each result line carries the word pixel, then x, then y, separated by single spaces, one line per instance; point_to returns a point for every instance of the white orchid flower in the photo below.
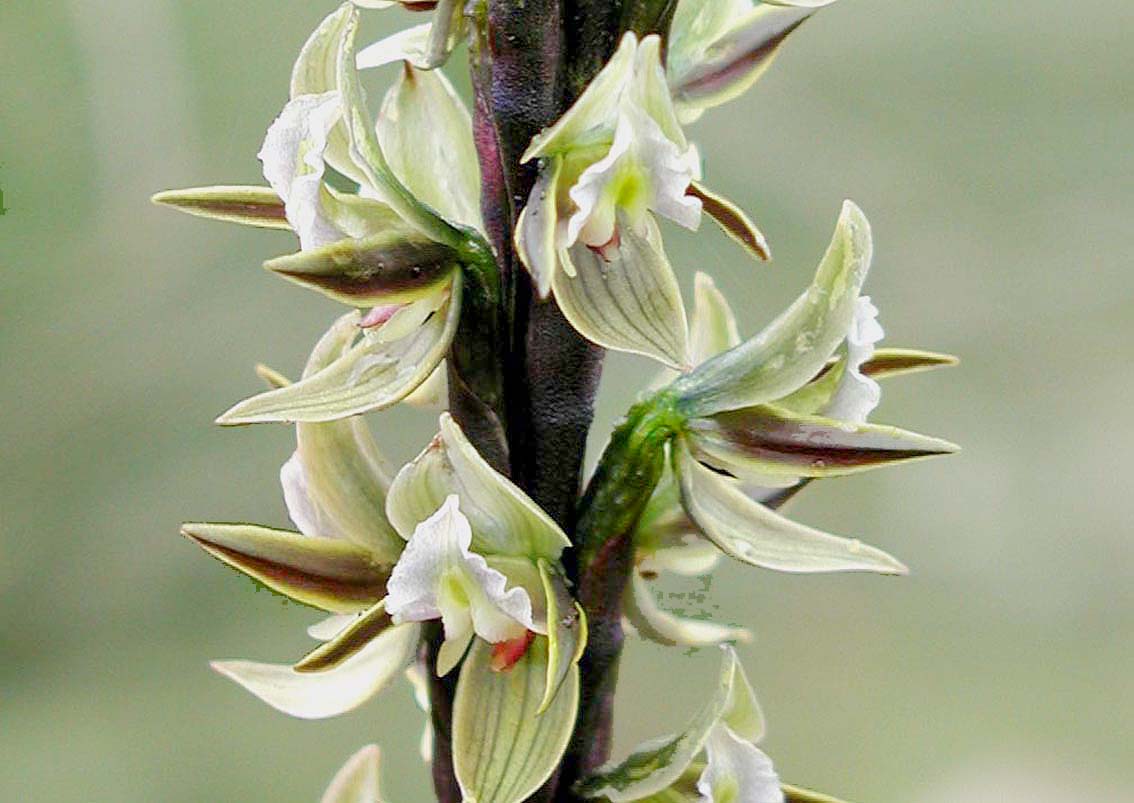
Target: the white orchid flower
pixel 617 158
pixel 439 577
pixel 717 749
pixel 480 556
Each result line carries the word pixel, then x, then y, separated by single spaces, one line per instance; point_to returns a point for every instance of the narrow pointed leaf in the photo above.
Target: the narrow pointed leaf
pixel 342 688
pixel 425 132
pixel 503 750
pixel 358 779
pixel 669 630
pixel 732 220
pixel 659 764
pixel 753 534
pixel 566 633
pixel 348 641
pixel 391 267
pixel 505 521
pixel 334 576
pixel 768 441
pixel 796 346
pixel 630 302
pixel 251 206
pixel 372 375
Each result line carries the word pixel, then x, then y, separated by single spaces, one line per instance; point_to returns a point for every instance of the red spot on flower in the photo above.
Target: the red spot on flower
pixel 506 653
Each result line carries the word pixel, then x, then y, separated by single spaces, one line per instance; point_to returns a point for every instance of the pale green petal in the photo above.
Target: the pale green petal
pixel 252 206
pixel 504 520
pixel 334 576
pixel 712 326
pixel 357 781
pixel 651 92
pixel 316 72
pixel 318 695
pixel 503 751
pixel 752 533
pixel 631 302
pixel 593 115
pixel 796 346
pixel 433 393
pixel 663 627
pixel 411 44
pixel 372 375
pixel 426 135
pixel 537 230
pixel 566 632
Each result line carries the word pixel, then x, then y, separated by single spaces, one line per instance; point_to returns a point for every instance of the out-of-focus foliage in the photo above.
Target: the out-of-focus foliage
pixel 988 143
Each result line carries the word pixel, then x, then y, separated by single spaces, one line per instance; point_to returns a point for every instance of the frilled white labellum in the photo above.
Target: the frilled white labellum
pixel 292 155
pixel 439 577
pixel 857 394
pixel 737 771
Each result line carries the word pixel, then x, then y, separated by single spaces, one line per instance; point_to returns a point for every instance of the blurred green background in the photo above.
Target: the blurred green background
pixel 991 145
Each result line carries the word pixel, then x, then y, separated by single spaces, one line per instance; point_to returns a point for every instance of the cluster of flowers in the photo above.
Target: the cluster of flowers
pixel 447 537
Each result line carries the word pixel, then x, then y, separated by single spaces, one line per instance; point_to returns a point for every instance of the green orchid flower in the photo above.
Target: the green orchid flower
pixel 393 248
pixel 719 48
pixel 749 440
pixel 615 159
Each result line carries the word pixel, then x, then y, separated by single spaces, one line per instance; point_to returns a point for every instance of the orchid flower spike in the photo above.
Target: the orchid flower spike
pixel 713 760
pixel 394 248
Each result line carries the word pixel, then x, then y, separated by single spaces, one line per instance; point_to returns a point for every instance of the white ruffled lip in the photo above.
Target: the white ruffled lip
pixel 439 577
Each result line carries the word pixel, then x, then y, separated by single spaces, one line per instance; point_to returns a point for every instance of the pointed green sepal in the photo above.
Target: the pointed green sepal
pixel 662 627
pixel 732 220
pixel 336 690
pixel 796 346
pixel 503 750
pixel 754 534
pixel 566 632
pixel 659 764
pixel 754 443
pixel 358 779
pixel 332 575
pixel 897 362
pixel 386 268
pixel 348 641
pixel 628 299
pixel 504 520
pixel 372 375
pixel 251 206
